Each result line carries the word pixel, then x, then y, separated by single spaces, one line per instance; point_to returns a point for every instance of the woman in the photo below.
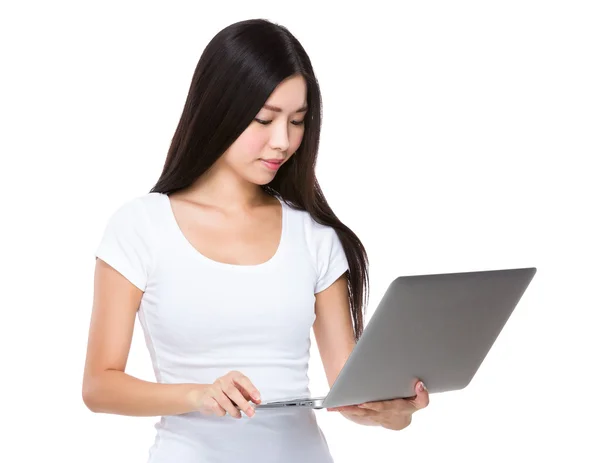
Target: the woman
pixel 229 261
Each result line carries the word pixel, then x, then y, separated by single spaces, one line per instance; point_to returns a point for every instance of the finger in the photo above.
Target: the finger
pixel 212 406
pixel 344 408
pixel 246 385
pixel 238 399
pixel 361 413
pixel 422 398
pixel 354 411
pixel 375 406
pixel 226 404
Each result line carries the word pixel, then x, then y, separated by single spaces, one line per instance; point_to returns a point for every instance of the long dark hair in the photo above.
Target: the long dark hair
pixel 237 72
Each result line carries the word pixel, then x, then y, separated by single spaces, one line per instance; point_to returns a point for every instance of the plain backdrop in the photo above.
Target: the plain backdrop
pixel 457 136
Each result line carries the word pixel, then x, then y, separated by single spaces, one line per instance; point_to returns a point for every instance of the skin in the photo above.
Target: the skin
pixel 225 214
pixel 227 217
pixel 334 336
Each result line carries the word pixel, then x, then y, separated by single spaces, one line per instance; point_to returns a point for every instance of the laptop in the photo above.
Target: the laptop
pixel 437 328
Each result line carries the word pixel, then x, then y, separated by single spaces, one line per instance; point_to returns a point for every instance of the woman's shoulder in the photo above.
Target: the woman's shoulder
pixel 140 202
pixel 149 205
pixel 136 214
pixel 313 231
pixel 151 201
pixel 301 218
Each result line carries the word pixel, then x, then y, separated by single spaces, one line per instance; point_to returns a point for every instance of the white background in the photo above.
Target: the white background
pixel 457 136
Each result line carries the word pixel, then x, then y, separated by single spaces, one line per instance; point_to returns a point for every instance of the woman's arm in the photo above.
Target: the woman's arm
pixel 334 334
pixel 106 388
pixel 333 327
pixel 335 338
pixel 116 392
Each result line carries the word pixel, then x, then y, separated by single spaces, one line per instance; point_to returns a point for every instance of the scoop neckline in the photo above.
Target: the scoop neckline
pixel 192 249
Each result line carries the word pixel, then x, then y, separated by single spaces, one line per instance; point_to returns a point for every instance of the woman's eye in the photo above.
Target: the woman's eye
pixel 260 121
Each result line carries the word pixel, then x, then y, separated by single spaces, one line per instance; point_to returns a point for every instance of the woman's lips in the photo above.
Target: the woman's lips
pixel 273 165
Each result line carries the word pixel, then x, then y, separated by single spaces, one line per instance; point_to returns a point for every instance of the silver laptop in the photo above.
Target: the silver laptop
pixel 437 328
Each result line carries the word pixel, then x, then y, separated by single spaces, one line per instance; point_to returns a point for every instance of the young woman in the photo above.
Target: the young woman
pixel 229 261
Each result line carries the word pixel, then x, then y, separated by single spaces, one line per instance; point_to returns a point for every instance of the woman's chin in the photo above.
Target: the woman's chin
pixel 263 177
pixel 260 180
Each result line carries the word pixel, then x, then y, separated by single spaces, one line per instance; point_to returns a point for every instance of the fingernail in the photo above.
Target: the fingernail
pixel 256 396
pixel 422 386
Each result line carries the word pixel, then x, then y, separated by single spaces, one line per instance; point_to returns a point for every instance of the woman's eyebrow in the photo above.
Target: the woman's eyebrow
pixel 278 110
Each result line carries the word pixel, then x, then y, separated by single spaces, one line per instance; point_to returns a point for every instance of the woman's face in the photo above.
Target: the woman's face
pixel 274 135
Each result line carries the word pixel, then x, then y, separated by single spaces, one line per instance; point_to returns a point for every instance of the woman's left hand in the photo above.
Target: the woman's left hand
pixel 393 414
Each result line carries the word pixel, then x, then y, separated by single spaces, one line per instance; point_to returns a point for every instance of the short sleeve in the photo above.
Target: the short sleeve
pixel 331 261
pixel 126 245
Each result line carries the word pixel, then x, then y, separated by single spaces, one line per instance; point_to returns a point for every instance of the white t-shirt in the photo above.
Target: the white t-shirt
pixel 202 319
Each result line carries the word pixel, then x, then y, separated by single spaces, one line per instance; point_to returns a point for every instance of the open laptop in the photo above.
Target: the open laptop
pixel 437 328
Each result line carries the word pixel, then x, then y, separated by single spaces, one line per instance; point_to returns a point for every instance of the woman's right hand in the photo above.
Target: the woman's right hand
pixel 226 394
